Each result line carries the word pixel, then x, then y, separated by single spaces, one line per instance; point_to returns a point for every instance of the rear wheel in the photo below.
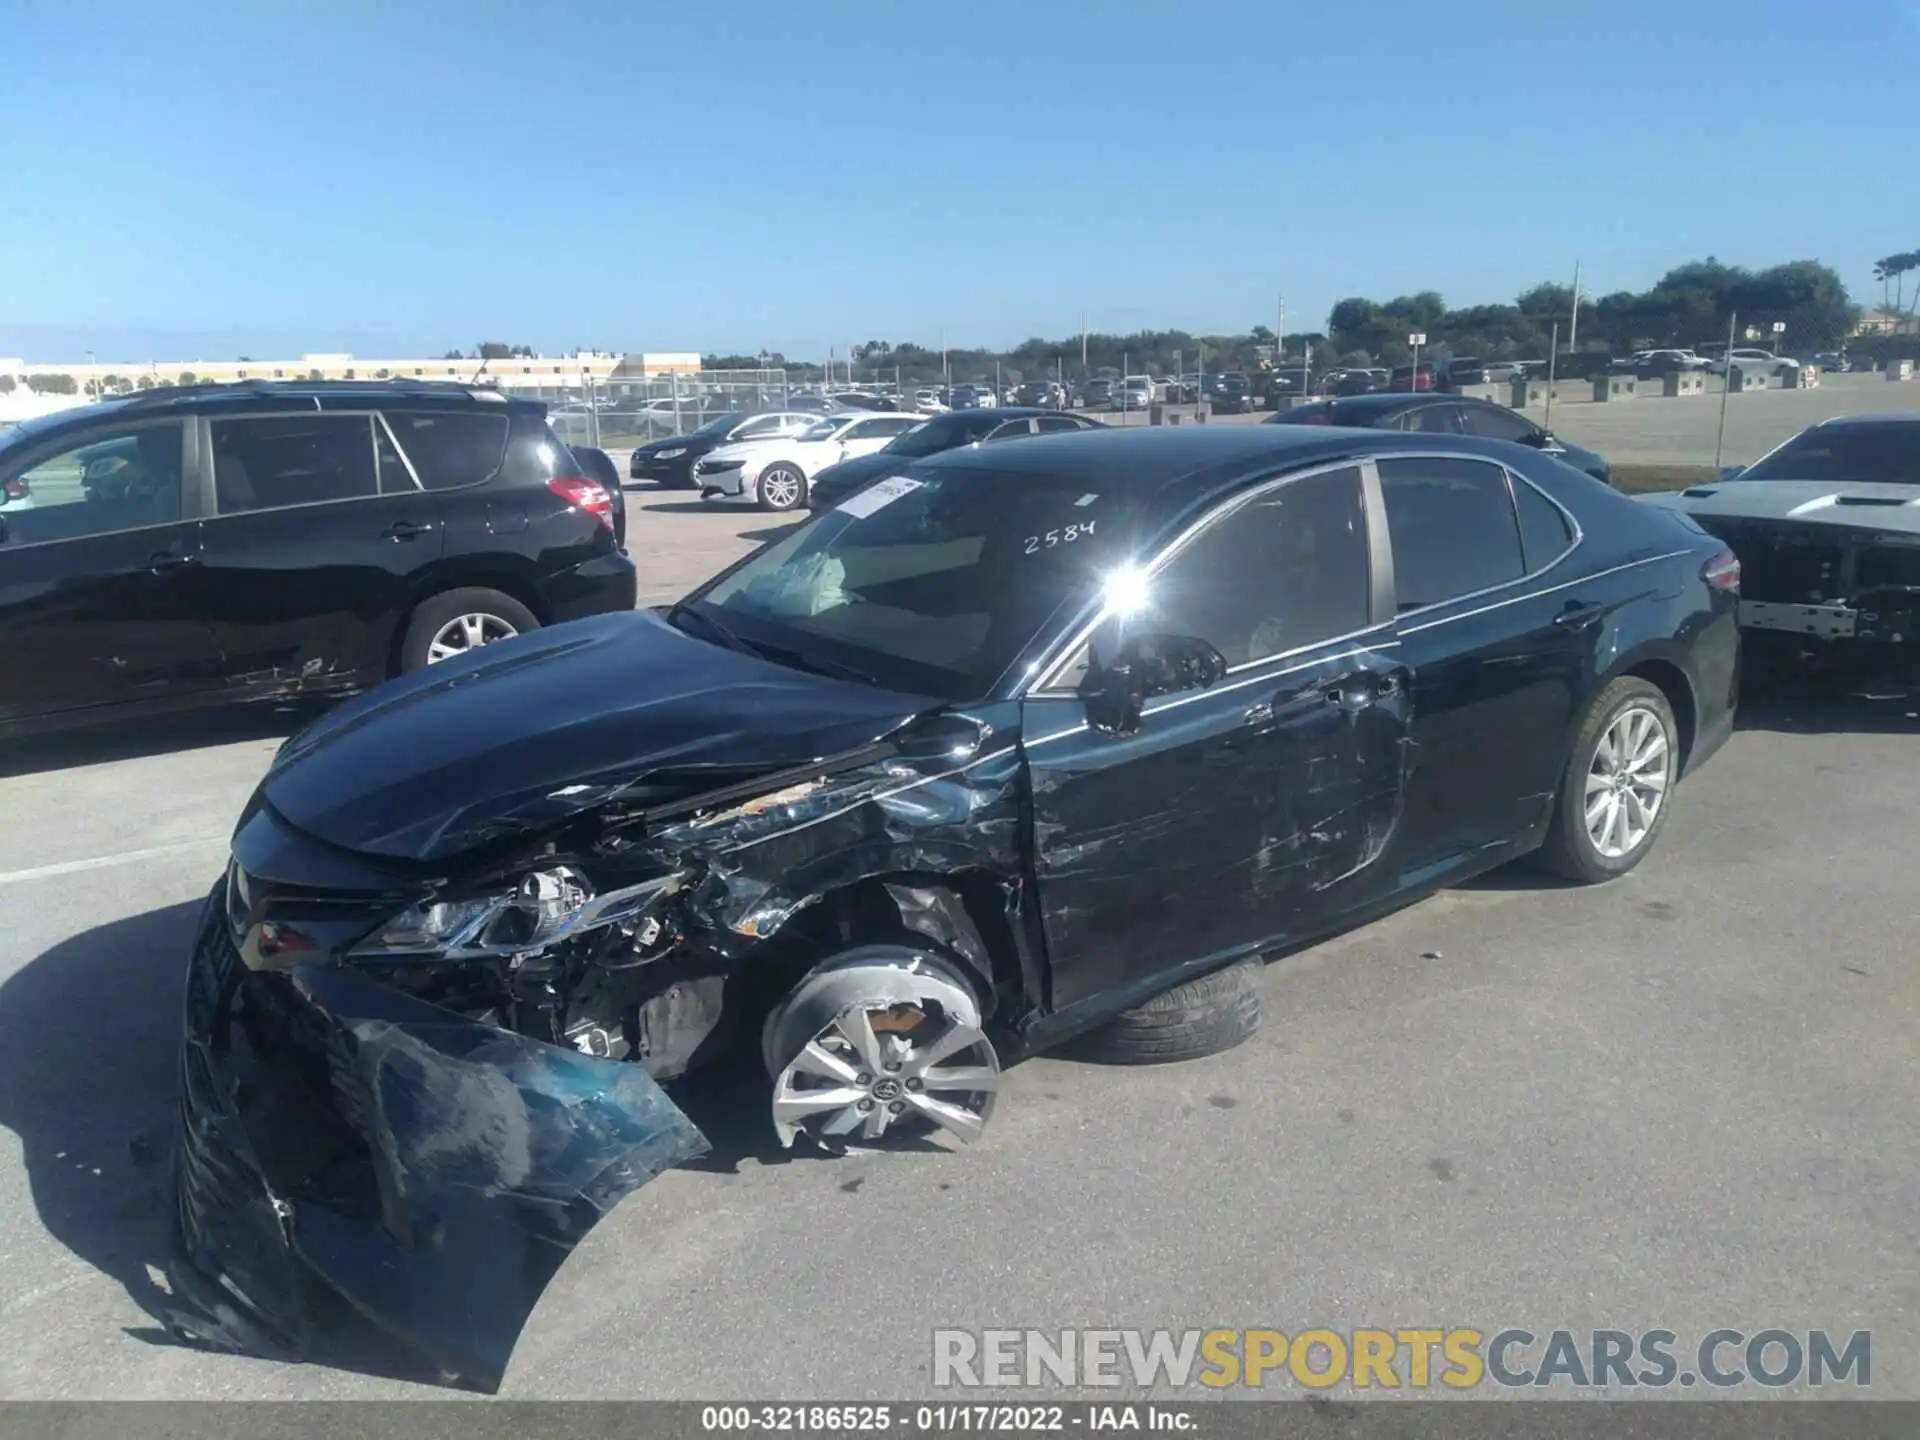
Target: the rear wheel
pixel 1620 775
pixel 457 621
pixel 782 487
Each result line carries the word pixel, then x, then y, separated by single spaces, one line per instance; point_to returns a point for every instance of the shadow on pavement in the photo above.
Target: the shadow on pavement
pixel 1830 705
pixel 131 739
pixel 89 1075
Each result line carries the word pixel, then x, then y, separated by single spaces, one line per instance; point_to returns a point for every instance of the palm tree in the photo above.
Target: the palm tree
pixel 1894 268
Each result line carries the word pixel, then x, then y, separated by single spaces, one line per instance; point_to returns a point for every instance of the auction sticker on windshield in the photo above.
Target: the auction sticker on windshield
pixel 877 497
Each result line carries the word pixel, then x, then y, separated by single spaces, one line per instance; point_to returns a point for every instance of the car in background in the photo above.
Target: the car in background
pixel 774 473
pixel 1466 370
pixel 1044 393
pixel 1096 394
pixel 1362 380
pixel 1839 362
pixel 944 432
pixel 1827 528
pixel 1499 372
pixel 1442 414
pixel 669 462
pixel 1408 378
pixel 1652 364
pixel 1135 392
pixel 928 401
pixel 1754 361
pixel 275 542
pixel 1231 393
pixel 969 397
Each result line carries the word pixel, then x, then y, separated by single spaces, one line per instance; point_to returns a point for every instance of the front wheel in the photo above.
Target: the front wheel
pixel 457 621
pixel 1620 775
pixel 782 487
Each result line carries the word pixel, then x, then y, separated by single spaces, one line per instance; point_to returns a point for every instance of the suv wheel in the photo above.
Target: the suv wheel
pixel 782 486
pixel 457 621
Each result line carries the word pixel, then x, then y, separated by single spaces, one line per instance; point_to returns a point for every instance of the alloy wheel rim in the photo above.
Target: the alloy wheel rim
pixel 853 1082
pixel 781 487
pixel 1627 781
pixel 467 632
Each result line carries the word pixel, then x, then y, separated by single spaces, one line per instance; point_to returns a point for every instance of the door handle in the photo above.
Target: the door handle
pixel 1577 614
pixel 163 560
pixel 405 530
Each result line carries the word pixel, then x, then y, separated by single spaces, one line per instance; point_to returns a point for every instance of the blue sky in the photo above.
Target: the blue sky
pixel 265 176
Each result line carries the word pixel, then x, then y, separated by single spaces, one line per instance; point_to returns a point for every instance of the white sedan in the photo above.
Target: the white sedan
pixel 775 473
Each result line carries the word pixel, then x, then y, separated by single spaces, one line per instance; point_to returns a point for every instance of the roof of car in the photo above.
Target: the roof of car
pixel 319 394
pixel 1175 466
pixel 1878 417
pixel 1393 400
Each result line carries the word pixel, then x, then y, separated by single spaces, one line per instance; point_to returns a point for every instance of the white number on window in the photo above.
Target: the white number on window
pixel 1033 544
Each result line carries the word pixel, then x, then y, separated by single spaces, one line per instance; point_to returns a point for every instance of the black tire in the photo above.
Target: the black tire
pixel 432 614
pixel 784 471
pixel 1569 851
pixel 1195 1018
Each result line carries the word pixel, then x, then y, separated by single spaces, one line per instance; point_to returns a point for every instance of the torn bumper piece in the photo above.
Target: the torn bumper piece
pixel 430 1170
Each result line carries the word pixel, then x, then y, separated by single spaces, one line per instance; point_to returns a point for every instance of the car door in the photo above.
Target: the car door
pixel 1245 812
pixel 1056 425
pixel 1498 641
pixel 94 550
pixel 318 525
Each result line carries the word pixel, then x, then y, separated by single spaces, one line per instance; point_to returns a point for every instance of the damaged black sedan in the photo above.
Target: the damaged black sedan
pixel 997 754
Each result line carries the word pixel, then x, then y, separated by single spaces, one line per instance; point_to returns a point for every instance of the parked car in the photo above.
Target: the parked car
pixel 774 472
pixel 1499 372
pixel 969 397
pixel 944 432
pixel 191 546
pixel 1097 394
pixel 927 400
pixel 1827 528
pixel 1754 361
pixel 1443 415
pixel 1135 392
pixel 942 779
pixel 1231 393
pixel 1407 378
pixel 1362 381
pixel 1466 370
pixel 669 462
pixel 1652 364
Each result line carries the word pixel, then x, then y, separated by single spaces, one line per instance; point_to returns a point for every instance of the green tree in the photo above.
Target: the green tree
pixel 50 384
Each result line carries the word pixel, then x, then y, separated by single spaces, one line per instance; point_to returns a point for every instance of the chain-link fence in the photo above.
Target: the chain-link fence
pixel 621 411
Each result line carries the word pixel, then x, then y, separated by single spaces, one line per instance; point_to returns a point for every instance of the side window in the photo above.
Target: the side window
pixel 1452 526
pixel 119 479
pixel 1285 569
pixel 1494 422
pixel 1544 532
pixel 893 425
pixel 451 448
pixel 794 424
pixel 1433 420
pixel 1056 424
pixel 762 429
pixel 1011 430
pixel 281 460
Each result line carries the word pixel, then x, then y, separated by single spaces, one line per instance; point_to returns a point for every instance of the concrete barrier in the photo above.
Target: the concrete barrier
pixel 1741 379
pixel 1522 393
pixel 1683 382
pixel 1614 387
pixel 1899 369
pixel 1806 377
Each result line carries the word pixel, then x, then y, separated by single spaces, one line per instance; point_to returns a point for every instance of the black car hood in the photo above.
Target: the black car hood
pixel 697 444
pixel 533 730
pixel 859 470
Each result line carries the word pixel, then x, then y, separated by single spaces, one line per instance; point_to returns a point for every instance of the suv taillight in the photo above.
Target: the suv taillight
pixel 15 489
pixel 584 494
pixel 1722 572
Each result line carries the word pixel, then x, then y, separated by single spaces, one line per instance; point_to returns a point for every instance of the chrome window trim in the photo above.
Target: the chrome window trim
pixel 1521 579
pixel 1536 594
pixel 189 461
pixel 1049 669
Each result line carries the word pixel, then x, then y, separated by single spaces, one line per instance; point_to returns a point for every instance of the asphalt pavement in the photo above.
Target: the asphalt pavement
pixel 1688 1099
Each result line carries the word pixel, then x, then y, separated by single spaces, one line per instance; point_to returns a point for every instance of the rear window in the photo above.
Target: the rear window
pixel 450 448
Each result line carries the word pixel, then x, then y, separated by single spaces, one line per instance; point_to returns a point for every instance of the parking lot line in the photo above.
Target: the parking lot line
pixel 102 862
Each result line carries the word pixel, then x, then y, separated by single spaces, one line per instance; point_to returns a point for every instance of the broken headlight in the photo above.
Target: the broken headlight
pixel 546 906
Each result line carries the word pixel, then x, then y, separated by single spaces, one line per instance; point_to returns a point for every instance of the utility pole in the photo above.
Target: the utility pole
pixel 1083 345
pixel 1573 321
pixel 1726 389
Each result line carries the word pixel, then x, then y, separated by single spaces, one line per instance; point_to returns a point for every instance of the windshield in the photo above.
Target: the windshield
pixel 719 425
pixel 1876 454
pixel 931 583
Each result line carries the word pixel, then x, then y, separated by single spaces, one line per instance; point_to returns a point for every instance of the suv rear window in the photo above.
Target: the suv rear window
pixel 450 448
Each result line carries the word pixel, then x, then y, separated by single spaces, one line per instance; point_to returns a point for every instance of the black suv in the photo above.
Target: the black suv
pixel 194 545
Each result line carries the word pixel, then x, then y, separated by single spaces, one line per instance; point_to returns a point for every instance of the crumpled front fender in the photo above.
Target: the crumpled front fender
pixel 491 1157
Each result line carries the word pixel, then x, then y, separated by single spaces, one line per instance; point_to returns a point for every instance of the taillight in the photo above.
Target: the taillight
pixel 584 494
pixel 1722 572
pixel 15 489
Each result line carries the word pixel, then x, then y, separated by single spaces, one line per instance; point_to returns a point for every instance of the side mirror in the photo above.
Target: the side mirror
pixel 1116 694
